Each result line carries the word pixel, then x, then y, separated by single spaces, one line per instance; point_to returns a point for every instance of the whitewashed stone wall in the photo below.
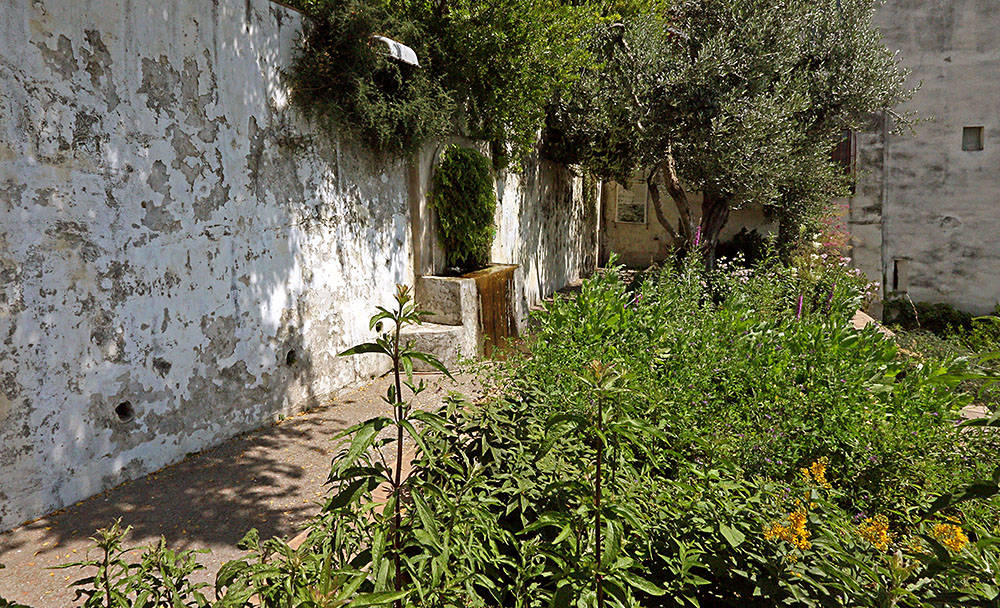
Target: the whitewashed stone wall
pixel 926 217
pixel 174 238
pixel 545 226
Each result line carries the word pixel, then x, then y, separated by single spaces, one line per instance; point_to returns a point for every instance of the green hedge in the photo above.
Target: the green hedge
pixel 462 194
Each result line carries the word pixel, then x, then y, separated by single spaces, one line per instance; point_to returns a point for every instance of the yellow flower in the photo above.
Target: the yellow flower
pixel 794 532
pixel 915 546
pixel 951 536
pixel 816 473
pixel 876 531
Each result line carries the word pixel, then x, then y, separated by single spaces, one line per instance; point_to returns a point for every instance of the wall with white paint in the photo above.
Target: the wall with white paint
pixel 176 241
pixel 545 225
pixel 641 244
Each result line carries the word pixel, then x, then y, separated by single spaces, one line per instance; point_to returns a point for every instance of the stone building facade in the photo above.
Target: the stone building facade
pixel 925 219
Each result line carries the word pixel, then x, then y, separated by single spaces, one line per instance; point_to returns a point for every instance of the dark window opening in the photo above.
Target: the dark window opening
pixel 845 155
pixel 291 358
pixel 972 138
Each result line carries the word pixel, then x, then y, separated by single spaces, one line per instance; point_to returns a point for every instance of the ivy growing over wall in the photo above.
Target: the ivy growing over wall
pixel 462 195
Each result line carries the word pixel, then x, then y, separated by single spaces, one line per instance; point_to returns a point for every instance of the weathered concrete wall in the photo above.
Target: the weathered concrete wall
pixel 925 218
pixel 544 223
pixel 174 238
pixel 544 226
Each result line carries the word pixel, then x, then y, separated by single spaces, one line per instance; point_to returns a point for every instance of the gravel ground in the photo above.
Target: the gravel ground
pixel 270 479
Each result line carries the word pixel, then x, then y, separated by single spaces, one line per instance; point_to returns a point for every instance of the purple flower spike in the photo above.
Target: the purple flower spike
pixel 829 300
pixel 798 313
pixel 697 236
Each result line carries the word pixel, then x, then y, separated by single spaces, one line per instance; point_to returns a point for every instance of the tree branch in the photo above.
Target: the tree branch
pixel 654 194
pixel 676 190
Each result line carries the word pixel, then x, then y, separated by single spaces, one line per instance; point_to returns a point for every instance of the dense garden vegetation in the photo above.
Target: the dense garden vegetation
pixel 699 434
pixel 684 438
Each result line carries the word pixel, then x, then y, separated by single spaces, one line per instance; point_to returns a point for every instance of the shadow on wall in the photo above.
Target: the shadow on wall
pixel 210 499
pixel 182 258
pixel 542 225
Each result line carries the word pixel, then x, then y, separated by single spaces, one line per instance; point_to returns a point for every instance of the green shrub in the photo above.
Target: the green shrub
pixel 340 79
pixel 160 577
pixel 462 194
pixel 938 318
pixel 984 337
pixel 750 387
pixel 487 69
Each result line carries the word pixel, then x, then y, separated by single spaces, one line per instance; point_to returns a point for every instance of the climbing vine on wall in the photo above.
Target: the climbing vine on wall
pixel 462 195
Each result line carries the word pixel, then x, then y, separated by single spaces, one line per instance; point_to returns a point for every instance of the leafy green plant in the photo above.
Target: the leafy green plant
pixel 343 80
pixel 160 578
pixel 364 436
pixel 939 318
pixel 487 69
pixel 740 452
pixel 872 560
pixel 362 550
pixel 462 194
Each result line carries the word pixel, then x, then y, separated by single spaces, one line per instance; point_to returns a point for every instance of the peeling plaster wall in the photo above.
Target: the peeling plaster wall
pixel 640 245
pixel 927 211
pixel 169 233
pixel 174 237
pixel 543 226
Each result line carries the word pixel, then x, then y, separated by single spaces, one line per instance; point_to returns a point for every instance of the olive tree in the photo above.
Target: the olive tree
pixel 741 100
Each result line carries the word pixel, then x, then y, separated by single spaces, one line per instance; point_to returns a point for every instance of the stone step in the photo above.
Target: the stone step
pixel 448 300
pixel 446 342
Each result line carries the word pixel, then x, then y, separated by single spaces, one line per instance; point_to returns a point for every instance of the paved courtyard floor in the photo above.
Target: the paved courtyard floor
pixel 270 479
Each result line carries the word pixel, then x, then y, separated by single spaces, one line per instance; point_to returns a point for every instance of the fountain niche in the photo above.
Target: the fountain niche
pixel 469 315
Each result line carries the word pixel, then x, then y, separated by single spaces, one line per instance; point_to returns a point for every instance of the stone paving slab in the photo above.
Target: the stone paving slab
pixel 270 479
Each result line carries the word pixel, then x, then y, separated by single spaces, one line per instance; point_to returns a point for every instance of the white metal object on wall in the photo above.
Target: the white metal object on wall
pixel 399 51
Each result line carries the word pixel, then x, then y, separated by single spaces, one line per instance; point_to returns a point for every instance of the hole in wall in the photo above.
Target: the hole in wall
pixel 125 411
pixel 291 357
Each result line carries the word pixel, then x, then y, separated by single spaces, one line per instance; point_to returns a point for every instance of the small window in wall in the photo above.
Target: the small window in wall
pixel 844 154
pixel 631 206
pixel 972 138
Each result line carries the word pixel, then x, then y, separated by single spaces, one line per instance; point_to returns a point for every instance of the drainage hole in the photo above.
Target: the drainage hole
pixel 291 358
pixel 125 411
